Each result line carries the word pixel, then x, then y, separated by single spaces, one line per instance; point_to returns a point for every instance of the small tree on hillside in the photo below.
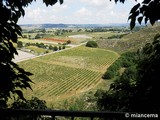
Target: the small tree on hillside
pixel 63 47
pixel 68 41
pixel 60 47
pixel 92 44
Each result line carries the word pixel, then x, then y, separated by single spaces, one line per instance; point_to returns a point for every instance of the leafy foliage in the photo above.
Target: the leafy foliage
pixel 126 60
pixel 13 78
pixel 137 87
pixel 33 103
pixel 147 11
pixel 92 44
pixel 19 44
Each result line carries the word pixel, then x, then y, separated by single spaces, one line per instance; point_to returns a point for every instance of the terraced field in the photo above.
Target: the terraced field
pixel 60 75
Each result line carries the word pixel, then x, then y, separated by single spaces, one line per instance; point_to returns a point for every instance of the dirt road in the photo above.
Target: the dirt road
pixel 23 56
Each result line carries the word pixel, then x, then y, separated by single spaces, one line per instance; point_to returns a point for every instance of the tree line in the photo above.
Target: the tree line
pixel 135 90
pixel 20 44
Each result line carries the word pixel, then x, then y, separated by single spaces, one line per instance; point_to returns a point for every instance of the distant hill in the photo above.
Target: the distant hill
pixel 39 26
pixel 132 41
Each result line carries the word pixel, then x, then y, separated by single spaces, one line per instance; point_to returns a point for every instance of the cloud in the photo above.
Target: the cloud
pixel 77 11
pixel 83 12
pixel 99 3
pixel 58 8
pixel 140 1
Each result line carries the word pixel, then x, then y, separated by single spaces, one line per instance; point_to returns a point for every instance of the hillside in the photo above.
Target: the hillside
pixel 41 26
pixel 132 41
pixel 67 73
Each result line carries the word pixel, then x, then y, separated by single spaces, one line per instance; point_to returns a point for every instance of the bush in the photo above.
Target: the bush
pixel 109 74
pixel 63 47
pixel 68 42
pixel 33 103
pixel 19 44
pixel 55 48
pixel 92 44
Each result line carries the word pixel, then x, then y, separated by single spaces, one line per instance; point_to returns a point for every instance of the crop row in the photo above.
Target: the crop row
pixel 84 57
pixel 66 72
pixel 62 82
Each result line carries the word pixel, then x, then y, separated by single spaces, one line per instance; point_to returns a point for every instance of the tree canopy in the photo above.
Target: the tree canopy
pixel 148 10
pixel 12 78
pixel 136 89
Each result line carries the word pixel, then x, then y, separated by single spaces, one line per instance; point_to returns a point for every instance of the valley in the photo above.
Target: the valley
pixel 75 70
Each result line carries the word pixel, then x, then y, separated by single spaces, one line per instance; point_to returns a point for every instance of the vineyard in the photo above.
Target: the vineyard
pixel 67 73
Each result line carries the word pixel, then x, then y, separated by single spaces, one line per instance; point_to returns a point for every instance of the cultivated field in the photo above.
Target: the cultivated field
pixel 67 73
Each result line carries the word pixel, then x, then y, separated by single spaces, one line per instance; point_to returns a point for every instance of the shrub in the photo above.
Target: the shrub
pixel 19 44
pixel 64 47
pixel 109 74
pixel 92 44
pixel 55 48
pixel 68 42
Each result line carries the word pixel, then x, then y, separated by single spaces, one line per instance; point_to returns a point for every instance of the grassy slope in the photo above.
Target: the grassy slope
pixel 132 41
pixel 60 75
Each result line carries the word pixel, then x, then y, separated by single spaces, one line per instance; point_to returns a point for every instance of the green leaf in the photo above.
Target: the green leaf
pixel 61 1
pixel 50 2
pixel 146 19
pixel 135 8
pixel 20 94
pixel 140 19
pixel 132 23
pixel 146 1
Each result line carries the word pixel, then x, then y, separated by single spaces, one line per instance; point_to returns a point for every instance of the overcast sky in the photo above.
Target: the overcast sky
pixel 78 12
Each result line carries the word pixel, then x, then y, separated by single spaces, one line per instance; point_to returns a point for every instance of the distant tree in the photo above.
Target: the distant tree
pixel 68 41
pixel 29 36
pixel 55 48
pixel 79 30
pixel 92 44
pixel 43 30
pixel 38 36
pixel 24 36
pixel 41 45
pixel 27 44
pixel 63 47
pixel 50 47
pixel 19 44
pixel 59 47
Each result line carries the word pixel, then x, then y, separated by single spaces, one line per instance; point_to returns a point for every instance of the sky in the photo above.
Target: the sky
pixel 78 12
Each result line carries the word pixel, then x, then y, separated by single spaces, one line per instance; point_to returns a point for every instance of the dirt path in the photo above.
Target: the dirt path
pixel 23 56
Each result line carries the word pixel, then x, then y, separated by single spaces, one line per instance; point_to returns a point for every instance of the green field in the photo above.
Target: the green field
pixel 67 73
